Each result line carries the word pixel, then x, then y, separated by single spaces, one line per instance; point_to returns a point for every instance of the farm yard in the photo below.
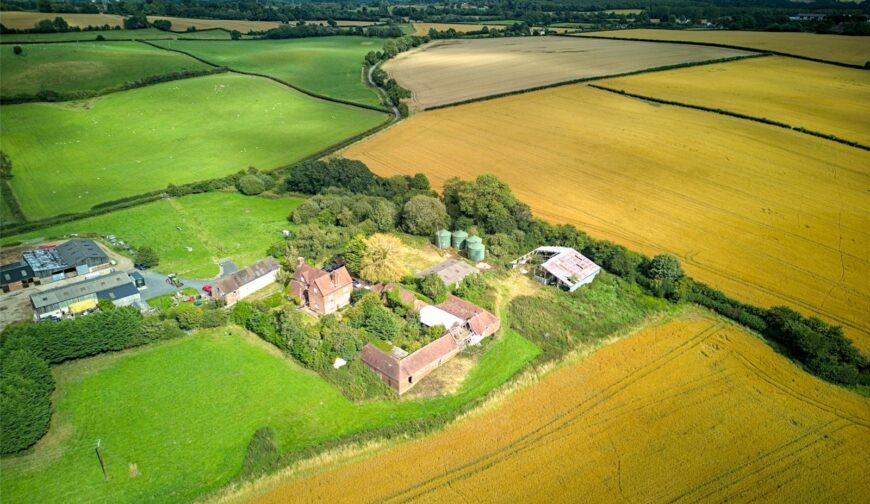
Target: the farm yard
pixel 738 420
pixel 450 71
pixel 208 223
pixel 172 410
pixel 850 50
pixel 705 187
pixel 86 67
pixel 329 66
pixel 209 126
pixel 21 20
pixel 815 96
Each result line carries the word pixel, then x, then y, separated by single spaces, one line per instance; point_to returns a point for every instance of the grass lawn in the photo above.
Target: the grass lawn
pixel 215 225
pixel 183 412
pixel 164 302
pixel 89 66
pixel 71 156
pixel 329 66
pixel 144 34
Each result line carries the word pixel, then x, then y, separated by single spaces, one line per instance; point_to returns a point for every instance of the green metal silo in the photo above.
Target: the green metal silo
pixel 459 238
pixel 442 239
pixel 473 239
pixel 476 251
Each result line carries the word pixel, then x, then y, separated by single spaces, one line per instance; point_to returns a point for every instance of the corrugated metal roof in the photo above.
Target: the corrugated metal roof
pixel 78 252
pixel 85 288
pixel 15 272
pixel 245 276
pixel 119 292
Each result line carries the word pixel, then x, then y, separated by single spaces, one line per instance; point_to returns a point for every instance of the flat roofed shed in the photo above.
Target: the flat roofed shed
pixel 450 272
pixel 432 316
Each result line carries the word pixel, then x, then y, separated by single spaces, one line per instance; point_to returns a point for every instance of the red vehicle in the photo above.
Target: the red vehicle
pixel 207 289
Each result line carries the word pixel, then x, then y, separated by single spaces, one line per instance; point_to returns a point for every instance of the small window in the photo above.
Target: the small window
pixel 410 379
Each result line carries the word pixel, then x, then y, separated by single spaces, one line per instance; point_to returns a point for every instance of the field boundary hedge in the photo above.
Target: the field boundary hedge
pixel 52 96
pixel 279 81
pixel 597 78
pixel 714 44
pixel 100 32
pixel 738 115
pixel 9 197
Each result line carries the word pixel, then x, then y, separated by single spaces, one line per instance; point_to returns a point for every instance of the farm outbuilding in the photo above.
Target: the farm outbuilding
pixel 450 272
pixel 241 284
pixel 561 266
pixel 80 296
pixel 69 259
pixel 15 276
pixel 403 373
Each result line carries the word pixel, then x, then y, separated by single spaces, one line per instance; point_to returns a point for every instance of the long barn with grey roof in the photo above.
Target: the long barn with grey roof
pixel 71 258
pixel 59 301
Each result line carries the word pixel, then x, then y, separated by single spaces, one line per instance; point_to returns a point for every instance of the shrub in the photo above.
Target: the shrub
pixel 423 215
pixel 214 318
pixel 147 257
pixel 251 185
pixel 17 50
pixel 664 267
pixel 432 286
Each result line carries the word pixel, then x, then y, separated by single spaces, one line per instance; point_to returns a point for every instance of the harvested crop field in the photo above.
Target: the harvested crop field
pixel 175 132
pixel 693 410
pixel 450 71
pixel 840 48
pixel 824 98
pixel 423 28
pixel 768 215
pixel 242 25
pixel 90 36
pixel 26 20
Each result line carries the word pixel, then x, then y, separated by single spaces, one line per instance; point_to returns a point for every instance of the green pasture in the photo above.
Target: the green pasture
pixel 183 412
pixel 330 66
pixel 143 34
pixel 164 302
pixel 215 225
pixel 88 66
pixel 71 156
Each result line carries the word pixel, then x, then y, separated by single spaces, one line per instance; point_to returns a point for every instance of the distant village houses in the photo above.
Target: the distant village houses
pixel 322 292
pixel 241 284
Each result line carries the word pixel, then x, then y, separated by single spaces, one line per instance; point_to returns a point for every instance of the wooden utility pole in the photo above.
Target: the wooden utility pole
pixel 102 462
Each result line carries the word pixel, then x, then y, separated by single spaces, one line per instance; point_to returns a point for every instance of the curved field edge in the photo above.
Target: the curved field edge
pixel 192 114
pixel 741 419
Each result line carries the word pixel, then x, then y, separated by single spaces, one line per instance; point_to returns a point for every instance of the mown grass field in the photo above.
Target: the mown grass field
pixel 143 34
pixel 815 96
pixel 450 71
pixel 71 156
pixel 216 225
pixel 739 421
pixel 184 411
pixel 330 66
pixel 88 66
pixel 21 20
pixel 840 48
pixel 768 215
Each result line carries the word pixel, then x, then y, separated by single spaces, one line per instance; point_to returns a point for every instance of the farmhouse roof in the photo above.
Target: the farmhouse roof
pixel 480 321
pixel 85 288
pixel 15 272
pixel 332 282
pixel 568 265
pixel 77 252
pixel 450 272
pixel 245 276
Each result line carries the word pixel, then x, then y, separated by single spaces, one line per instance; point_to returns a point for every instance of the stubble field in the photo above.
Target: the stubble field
pixel 450 71
pixel 840 48
pixel 815 96
pixel 93 67
pixel 329 66
pixel 242 25
pixel 693 410
pixel 421 29
pixel 21 20
pixel 175 132
pixel 768 215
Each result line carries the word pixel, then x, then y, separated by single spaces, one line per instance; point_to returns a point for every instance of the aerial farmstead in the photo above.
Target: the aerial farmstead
pixel 241 284
pixel 560 266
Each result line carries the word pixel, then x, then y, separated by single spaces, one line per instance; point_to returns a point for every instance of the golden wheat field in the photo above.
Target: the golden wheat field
pixel 244 26
pixel 449 71
pixel 768 215
pixel 841 48
pixel 421 29
pixel 692 410
pixel 26 20
pixel 816 96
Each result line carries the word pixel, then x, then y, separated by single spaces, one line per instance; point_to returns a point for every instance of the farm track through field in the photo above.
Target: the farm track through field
pixel 549 429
